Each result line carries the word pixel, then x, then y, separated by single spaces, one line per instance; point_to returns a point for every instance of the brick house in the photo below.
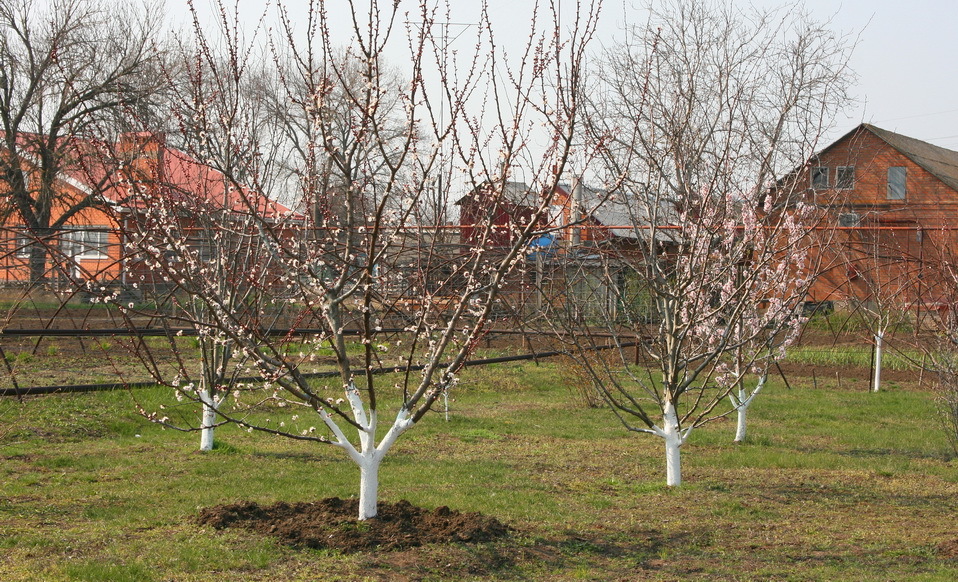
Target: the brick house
pixel 142 169
pixel 892 205
pixel 595 213
pixel 73 234
pixel 502 209
pixel 579 225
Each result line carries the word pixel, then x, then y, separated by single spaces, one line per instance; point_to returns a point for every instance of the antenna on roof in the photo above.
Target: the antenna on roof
pixel 442 197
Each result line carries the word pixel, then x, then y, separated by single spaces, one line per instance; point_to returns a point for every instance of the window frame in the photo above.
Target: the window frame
pixel 904 183
pixel 844 182
pixel 817 173
pixel 849 220
pixel 77 237
pixel 22 243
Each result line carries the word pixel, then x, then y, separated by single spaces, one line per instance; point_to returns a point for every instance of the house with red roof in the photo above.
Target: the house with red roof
pixel 101 196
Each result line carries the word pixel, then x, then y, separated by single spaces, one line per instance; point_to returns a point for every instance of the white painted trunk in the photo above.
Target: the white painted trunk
pixel 368 456
pixel 876 380
pixel 741 414
pixel 741 407
pixel 673 462
pixel 369 486
pixel 673 441
pixel 209 421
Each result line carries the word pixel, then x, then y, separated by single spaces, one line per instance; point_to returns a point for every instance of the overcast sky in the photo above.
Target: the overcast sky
pixel 907 62
pixel 906 57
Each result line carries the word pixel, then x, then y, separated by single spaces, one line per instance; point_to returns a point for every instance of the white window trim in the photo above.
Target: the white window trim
pixel 22 242
pixel 88 253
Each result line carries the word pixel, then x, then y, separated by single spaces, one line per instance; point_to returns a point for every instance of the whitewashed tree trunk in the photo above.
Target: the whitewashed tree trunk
pixel 369 456
pixel 209 420
pixel 876 379
pixel 369 487
pixel 674 438
pixel 673 461
pixel 741 402
pixel 741 415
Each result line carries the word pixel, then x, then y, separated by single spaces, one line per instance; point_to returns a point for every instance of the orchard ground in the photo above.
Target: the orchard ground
pixel 832 483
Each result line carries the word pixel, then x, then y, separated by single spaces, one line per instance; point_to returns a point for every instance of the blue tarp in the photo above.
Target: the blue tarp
pixel 544 247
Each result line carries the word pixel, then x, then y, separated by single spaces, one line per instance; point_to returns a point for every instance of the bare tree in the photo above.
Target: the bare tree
pixel 699 112
pixel 355 260
pixel 937 292
pixel 883 284
pixel 331 88
pixel 69 69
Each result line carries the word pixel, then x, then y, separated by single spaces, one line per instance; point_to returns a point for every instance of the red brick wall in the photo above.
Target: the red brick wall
pixel 891 256
pixel 871 157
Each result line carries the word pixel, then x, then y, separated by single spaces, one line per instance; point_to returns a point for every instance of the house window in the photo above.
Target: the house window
pixel 847 219
pixel 23 242
pixel 820 178
pixel 85 244
pixel 896 183
pixel 845 177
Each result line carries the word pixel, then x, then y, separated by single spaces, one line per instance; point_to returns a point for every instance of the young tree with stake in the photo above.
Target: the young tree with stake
pixel 883 283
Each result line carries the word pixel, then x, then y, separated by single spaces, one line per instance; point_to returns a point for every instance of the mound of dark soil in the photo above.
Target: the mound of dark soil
pixel 331 523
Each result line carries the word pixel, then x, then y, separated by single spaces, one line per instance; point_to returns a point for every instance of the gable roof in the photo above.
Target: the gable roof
pixel 618 213
pixel 604 209
pixel 177 175
pixel 511 192
pixel 938 161
pixel 185 179
pixel 941 162
pixel 626 212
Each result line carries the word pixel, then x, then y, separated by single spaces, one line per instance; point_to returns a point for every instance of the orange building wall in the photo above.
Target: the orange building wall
pixel 927 198
pixel 14 269
pixel 890 256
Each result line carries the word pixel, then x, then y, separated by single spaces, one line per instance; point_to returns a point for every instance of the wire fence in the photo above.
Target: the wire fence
pixel 76 388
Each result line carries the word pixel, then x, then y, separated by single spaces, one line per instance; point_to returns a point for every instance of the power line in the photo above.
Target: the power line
pixel 917 116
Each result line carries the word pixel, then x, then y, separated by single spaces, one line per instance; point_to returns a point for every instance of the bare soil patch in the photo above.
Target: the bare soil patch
pixel 791 369
pixel 948 549
pixel 331 523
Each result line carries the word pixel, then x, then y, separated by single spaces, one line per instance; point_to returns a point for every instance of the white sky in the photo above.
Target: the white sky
pixel 905 58
pixel 907 63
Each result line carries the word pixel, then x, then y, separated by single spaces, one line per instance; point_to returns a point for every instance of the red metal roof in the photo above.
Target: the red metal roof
pixel 159 170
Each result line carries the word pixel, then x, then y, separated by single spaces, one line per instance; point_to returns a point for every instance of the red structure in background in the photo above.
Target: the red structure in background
pixel 589 216
pixel 892 204
pixel 505 207
pixel 124 178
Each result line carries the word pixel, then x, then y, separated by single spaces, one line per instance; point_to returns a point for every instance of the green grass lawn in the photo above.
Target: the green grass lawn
pixel 832 485
pixel 859 357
